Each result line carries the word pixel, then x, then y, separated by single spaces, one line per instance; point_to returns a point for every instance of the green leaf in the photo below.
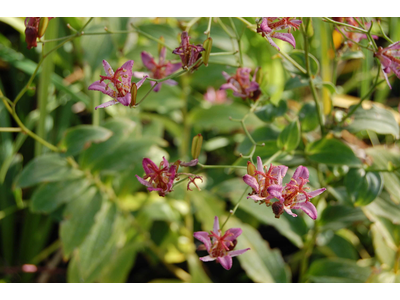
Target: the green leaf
pixel 51 195
pixel 261 263
pixel 339 216
pixel 330 86
pixel 340 247
pixel 337 270
pixel 384 207
pixel 46 168
pixel 363 187
pixel 296 82
pixel 289 138
pixel 78 220
pixel 331 151
pixel 217 117
pixel 269 112
pixel 391 180
pixel 383 251
pixel 379 120
pixel 308 117
pixel 196 270
pixel 81 137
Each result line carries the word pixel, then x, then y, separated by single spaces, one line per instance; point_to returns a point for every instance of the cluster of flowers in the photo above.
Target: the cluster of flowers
pixel 267 185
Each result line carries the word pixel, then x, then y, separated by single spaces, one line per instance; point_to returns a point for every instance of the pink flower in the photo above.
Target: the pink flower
pixel 261 181
pixel 160 70
pixel 220 248
pixel 161 178
pixel 189 53
pixel 32 31
pixel 390 60
pixel 120 82
pixel 268 28
pixel 295 195
pixel 241 85
pixel 214 96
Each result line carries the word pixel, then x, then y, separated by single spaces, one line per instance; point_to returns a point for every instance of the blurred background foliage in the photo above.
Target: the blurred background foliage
pixel 82 216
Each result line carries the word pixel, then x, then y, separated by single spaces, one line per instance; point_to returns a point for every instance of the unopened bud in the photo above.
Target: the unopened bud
pixel 277 208
pixel 160 46
pixel 196 145
pixel 251 169
pixel 43 26
pixel 207 46
pixel 133 94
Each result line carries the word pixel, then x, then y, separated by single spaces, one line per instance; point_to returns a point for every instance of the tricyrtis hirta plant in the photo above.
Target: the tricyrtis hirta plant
pixel 292 144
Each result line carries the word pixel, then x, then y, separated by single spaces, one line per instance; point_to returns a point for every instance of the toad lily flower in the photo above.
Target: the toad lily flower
pixel 189 53
pixel 120 82
pixel 220 247
pixel 34 30
pixel 162 177
pixel 261 181
pixel 160 70
pixel 241 85
pixel 390 60
pixel 268 28
pixel 295 195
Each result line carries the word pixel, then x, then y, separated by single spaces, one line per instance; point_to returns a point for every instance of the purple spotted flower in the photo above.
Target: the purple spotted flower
pixel 295 195
pixel 159 70
pixel 161 178
pixel 262 181
pixel 220 247
pixel 241 85
pixel 390 60
pixel 269 26
pixel 119 85
pixel 189 53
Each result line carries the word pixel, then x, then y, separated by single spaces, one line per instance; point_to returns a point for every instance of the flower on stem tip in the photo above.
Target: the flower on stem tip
pixel 120 82
pixel 241 85
pixel 189 53
pixel 220 247
pixel 160 70
pixel 269 25
pixel 32 31
pixel 295 195
pixel 268 185
pixel 390 60
pixel 162 177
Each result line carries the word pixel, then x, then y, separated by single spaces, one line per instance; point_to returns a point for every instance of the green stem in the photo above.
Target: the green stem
pixel 238 41
pixel 384 34
pixel 10 129
pixel 223 53
pixel 245 22
pixel 191 23
pixel 224 28
pixel 208 31
pixel 236 207
pixel 310 76
pixel 363 98
pixel 396 261
pixel 293 62
pixel 345 25
pixel 308 248
pixel 220 166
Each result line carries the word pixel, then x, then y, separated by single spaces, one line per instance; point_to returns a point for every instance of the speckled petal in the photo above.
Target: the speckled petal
pixel 126 100
pixel 237 252
pixel 287 37
pixel 207 258
pixel 203 237
pixel 290 212
pixel 225 261
pixel 232 234
pixel 140 82
pixel 252 182
pixel 272 43
pixel 148 60
pixel 101 86
pixel 148 165
pixel 106 104
pixel 107 68
pixel 142 181
pixel 312 194
pixel 308 208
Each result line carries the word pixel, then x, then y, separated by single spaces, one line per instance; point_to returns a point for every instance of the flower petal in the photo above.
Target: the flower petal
pixel 140 82
pixel 301 172
pixel 191 163
pixel 149 166
pixel 227 86
pixel 127 70
pixel 290 212
pixel 256 198
pixel 272 43
pixel 140 74
pixel 237 252
pixel 207 258
pixel 203 237
pixel 252 182
pixel 107 68
pixel 225 261
pixel 102 87
pixel 312 194
pixel 125 100
pixel 226 75
pixel 148 60
pixel 308 208
pixel 170 82
pixel 275 190
pixel 142 181
pixel 216 228
pixel 287 37
pixel 264 26
pixel 106 104
pixel 232 234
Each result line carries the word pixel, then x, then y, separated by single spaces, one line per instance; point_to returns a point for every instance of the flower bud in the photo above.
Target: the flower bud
pixel 196 145
pixel 207 46
pixel 133 94
pixel 277 208
pixel 251 169
pixel 42 26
